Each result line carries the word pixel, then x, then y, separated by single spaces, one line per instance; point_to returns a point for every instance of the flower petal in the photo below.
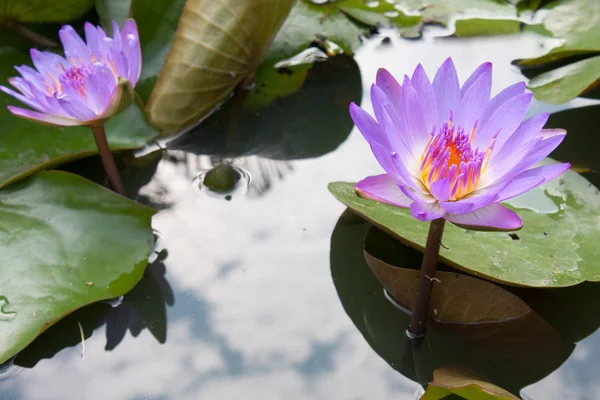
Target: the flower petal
pixel 75 47
pixel 98 94
pixel 440 189
pixel 540 151
pixel 483 68
pixel 366 125
pixel 503 122
pixel 420 196
pixel 43 118
pixel 501 98
pixel 447 90
pixel 75 108
pixel 132 50
pixel 519 186
pixel 426 211
pixel 389 85
pixel 475 99
pixel 494 217
pixel 33 103
pixel 382 188
pixel 474 201
pixel 426 96
pixel 414 115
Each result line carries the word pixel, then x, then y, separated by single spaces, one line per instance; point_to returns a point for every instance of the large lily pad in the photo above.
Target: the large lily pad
pixel 576 23
pixel 217 45
pixel 556 247
pixel 27 147
pixel 565 83
pixel 65 243
pixel 467 385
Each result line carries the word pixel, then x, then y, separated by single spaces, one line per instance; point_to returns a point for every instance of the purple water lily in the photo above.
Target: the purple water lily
pixel 452 152
pixel 90 84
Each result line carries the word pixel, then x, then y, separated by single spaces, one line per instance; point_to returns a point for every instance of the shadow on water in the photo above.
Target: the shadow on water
pixel 512 354
pixel 144 307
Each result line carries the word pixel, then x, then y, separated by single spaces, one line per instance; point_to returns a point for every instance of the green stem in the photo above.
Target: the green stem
pixel 418 319
pixel 107 159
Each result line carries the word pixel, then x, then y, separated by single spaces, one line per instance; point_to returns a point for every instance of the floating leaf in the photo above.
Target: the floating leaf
pixel 513 353
pixel 447 381
pixel 565 83
pixel 456 298
pixel 556 247
pixel 56 229
pixel 27 147
pixel 43 10
pixel 112 10
pixel 217 45
pixel 576 25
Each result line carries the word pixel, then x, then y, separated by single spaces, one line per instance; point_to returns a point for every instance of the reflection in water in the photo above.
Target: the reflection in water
pixel 512 353
pixel 223 181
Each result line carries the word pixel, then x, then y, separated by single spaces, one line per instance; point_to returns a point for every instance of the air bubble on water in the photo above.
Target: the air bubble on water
pixel 224 181
pixel 391 13
pixel 372 3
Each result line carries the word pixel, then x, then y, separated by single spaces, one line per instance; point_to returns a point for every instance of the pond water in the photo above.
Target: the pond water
pixel 266 294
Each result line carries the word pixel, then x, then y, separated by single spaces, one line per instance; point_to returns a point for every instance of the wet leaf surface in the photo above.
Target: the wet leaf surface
pixel 563 84
pixel 112 10
pixel 56 229
pixel 27 147
pixel 513 353
pixel 308 123
pixel 555 248
pixel 576 23
pixel 448 380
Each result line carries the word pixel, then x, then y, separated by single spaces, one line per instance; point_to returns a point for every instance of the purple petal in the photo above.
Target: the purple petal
pixel 366 125
pixel 382 188
pixel 548 172
pixel 548 133
pixel 493 217
pixel 475 99
pixel 483 68
pixel 414 117
pixel 420 196
pixel 390 163
pixel 426 96
pixel 501 98
pixel 440 189
pixel 98 94
pixel 121 65
pixel 447 90
pixel 389 85
pixel 132 50
pixel 517 146
pixel 32 76
pixel 30 102
pixel 426 211
pixel 75 108
pixel 117 40
pixel 22 85
pixel 519 186
pixel 75 48
pixel 43 118
pixel 537 154
pixel 504 121
pixel 474 201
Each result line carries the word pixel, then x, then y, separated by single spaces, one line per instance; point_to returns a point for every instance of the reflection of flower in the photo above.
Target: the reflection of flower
pixel 93 82
pixel 451 152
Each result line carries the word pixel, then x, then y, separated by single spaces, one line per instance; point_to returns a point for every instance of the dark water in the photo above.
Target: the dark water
pixel 266 295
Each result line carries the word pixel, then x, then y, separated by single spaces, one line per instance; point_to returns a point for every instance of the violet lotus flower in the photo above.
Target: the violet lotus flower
pixel 452 152
pixel 86 87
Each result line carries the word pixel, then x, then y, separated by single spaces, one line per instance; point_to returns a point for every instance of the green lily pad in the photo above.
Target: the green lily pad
pixel 556 247
pixel 43 10
pixel 576 23
pixel 565 83
pixel 27 147
pixel 447 381
pixel 66 242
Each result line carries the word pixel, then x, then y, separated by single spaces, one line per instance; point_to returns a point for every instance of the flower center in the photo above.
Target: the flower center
pixel 449 155
pixel 76 77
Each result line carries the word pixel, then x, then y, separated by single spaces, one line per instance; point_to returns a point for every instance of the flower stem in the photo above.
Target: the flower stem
pixel 107 159
pixel 420 312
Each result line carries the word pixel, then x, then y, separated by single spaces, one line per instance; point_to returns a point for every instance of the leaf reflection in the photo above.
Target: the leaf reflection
pixel 510 352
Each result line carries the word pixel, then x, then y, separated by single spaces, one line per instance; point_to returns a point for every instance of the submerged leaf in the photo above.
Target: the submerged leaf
pixel 217 45
pixel 447 381
pixel 56 229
